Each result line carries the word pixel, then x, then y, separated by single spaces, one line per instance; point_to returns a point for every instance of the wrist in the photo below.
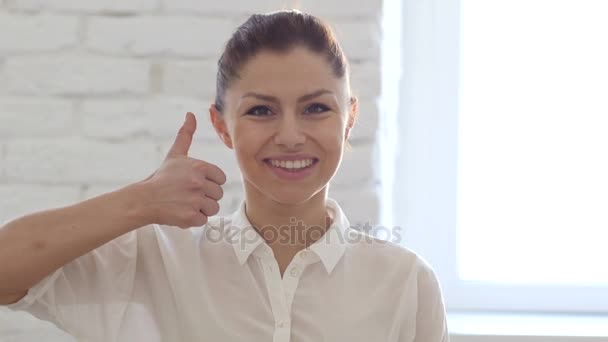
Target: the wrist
pixel 137 202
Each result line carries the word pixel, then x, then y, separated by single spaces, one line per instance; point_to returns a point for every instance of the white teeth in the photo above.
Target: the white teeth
pixel 292 164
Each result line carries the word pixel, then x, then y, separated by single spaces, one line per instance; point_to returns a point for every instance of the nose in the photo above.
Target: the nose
pixel 289 132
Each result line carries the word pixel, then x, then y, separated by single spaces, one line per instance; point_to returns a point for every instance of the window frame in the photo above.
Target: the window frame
pixel 425 186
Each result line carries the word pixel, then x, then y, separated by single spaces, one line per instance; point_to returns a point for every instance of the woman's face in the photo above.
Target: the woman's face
pixel 286 105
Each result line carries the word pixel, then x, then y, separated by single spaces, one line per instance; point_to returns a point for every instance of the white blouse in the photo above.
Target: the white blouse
pixel 221 282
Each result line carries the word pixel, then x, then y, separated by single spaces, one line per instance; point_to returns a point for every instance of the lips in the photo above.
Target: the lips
pixel 291 164
pixel 286 157
pixel 290 161
pixel 290 170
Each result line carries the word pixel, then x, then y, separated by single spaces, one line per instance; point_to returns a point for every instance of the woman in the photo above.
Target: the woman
pixel 284 267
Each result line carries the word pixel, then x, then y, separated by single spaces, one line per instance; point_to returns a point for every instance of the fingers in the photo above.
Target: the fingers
pixel 199 220
pixel 204 208
pixel 183 140
pixel 209 171
pixel 209 207
pixel 215 174
pixel 213 190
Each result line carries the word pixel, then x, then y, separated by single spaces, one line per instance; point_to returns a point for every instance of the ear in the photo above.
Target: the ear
pixel 220 125
pixel 352 116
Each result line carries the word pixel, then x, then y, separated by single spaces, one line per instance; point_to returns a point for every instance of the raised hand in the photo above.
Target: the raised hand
pixel 185 191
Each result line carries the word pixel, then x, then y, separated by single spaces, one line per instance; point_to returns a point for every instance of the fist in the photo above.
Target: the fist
pixel 184 191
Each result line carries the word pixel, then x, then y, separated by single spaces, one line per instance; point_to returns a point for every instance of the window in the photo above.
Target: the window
pixel 503 151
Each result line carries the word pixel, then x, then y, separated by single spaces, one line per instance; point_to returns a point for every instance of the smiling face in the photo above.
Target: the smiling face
pixel 286 106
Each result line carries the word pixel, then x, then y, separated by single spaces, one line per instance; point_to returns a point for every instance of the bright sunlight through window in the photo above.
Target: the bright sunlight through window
pixel 533 142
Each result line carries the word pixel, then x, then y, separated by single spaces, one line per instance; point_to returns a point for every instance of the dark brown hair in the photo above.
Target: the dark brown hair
pixel 278 31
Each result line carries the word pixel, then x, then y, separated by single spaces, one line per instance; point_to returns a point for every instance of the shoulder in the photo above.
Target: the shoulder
pixel 387 255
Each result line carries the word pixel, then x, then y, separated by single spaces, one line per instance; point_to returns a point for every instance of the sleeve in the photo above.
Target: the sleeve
pixel 89 295
pixel 431 322
pixel 425 316
pixel 21 326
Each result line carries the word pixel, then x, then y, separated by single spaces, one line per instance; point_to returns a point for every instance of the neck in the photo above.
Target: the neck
pixel 288 227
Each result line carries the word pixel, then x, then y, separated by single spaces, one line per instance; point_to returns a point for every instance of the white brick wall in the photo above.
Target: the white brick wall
pixel 93 6
pixel 186 77
pixel 24 117
pixel 77 161
pixel 37 33
pixel 92 93
pixel 73 75
pixel 158 35
pixel 156 118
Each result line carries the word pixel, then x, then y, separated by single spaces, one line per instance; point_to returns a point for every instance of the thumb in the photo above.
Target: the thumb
pixel 183 140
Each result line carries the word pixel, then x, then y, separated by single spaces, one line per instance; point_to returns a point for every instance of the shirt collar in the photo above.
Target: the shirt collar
pixel 329 248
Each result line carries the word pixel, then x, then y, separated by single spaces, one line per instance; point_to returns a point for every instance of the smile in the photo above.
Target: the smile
pixel 292 169
pixel 291 164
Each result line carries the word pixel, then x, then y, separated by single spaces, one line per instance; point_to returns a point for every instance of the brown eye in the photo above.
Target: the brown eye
pixel 317 108
pixel 259 111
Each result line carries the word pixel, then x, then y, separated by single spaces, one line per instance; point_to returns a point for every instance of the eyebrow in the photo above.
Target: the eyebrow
pixel 300 99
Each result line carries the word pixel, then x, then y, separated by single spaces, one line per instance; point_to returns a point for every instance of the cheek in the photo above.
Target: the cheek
pixel 331 136
pixel 247 141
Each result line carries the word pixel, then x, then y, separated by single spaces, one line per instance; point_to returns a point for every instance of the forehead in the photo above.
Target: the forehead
pixel 289 73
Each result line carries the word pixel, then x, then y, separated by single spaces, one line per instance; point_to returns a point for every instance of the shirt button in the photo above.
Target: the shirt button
pixel 282 324
pixel 294 272
pixel 303 254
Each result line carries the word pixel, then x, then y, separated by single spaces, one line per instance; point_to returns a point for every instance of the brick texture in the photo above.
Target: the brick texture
pixel 92 94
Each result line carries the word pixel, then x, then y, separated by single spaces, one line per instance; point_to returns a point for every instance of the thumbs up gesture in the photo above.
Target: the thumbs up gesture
pixel 185 191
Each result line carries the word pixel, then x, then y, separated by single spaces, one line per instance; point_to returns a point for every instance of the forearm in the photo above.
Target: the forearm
pixel 33 246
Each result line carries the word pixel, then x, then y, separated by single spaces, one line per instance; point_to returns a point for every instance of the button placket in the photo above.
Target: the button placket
pixel 283 333
pixel 276 295
pixel 307 257
pixel 291 281
pixel 294 272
